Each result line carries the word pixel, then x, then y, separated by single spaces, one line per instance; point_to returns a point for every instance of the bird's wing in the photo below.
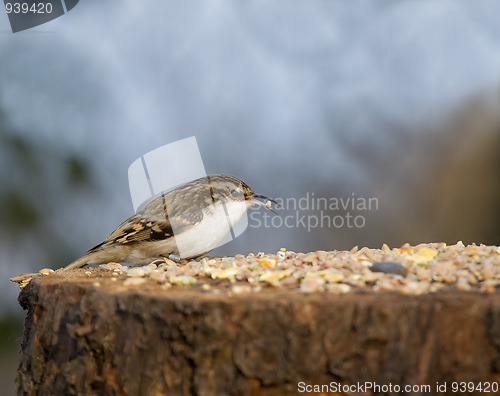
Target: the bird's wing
pixel 138 229
pixel 153 223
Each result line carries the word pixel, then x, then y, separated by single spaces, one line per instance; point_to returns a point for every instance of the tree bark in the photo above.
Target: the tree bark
pixel 87 334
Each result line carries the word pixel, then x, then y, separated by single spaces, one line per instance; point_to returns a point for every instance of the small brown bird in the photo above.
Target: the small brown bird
pixel 186 222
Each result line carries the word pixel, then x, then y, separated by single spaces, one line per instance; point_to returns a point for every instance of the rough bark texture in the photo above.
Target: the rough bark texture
pixel 86 334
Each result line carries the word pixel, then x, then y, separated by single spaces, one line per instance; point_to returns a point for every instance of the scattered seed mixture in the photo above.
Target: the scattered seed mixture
pixel 424 268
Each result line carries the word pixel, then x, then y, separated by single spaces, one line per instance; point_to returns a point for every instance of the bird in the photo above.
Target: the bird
pixel 184 223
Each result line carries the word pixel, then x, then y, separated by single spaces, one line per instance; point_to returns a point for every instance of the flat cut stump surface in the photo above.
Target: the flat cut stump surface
pixel 94 332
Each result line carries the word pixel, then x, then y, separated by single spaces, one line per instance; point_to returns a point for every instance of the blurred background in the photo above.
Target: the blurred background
pixel 396 100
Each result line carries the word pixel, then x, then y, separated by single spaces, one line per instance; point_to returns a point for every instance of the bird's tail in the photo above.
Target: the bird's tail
pixel 78 263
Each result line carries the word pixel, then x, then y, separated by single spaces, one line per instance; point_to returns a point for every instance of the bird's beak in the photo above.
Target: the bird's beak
pixel 253 200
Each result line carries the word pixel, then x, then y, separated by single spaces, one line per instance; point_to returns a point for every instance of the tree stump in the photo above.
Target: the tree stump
pixel 88 332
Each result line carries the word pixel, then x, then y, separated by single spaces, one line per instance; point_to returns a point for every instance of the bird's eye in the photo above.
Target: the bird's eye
pixel 235 194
